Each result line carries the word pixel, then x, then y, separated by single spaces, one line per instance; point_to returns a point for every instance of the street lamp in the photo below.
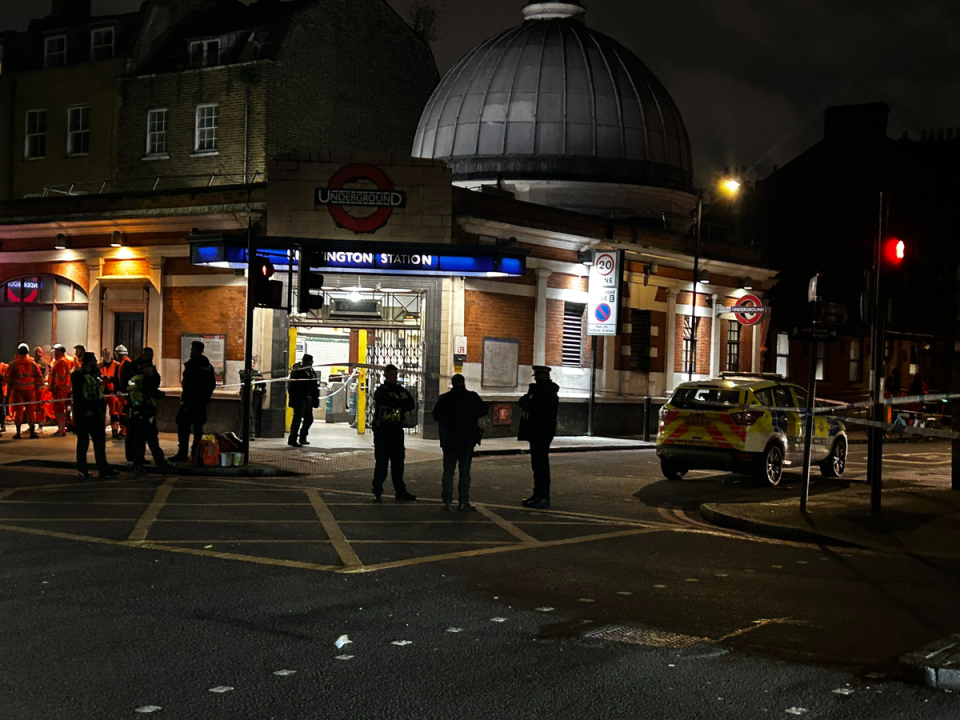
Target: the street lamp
pixel 731 186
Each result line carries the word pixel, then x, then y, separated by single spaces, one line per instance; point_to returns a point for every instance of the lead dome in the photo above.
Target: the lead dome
pixel 558 113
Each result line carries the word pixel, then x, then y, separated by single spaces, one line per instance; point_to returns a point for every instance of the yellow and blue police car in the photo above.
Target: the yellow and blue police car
pixel 748 424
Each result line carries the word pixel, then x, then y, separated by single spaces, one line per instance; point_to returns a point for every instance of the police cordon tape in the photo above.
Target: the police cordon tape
pixel 346 384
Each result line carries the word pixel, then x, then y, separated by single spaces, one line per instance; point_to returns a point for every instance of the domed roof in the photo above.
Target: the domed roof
pixel 552 99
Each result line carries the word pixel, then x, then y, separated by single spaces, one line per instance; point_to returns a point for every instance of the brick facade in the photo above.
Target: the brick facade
pixel 204 311
pixel 705 328
pixel 77 272
pixel 489 315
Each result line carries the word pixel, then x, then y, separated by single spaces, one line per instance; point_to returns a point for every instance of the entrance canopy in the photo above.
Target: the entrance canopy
pixel 378 258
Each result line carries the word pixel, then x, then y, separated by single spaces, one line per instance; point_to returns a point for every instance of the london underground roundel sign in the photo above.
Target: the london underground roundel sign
pixel 382 199
pixel 748 310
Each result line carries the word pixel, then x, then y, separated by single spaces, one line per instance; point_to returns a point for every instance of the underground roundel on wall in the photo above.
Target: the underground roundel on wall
pixel 360 198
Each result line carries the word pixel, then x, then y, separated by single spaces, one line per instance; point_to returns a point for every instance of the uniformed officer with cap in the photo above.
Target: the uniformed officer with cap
pixel 538 425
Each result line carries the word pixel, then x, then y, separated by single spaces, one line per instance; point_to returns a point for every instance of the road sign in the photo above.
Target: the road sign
pixel 749 310
pixel 604 292
pixel 814 333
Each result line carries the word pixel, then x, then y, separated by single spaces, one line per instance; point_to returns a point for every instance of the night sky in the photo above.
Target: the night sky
pixel 751 77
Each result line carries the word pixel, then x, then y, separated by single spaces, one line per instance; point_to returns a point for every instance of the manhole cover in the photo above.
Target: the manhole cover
pixel 639 635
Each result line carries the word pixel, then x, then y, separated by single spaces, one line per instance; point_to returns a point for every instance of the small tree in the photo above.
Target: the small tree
pixel 424 18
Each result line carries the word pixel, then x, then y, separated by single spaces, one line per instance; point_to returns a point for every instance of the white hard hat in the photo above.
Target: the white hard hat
pixel 23 348
pixel 120 349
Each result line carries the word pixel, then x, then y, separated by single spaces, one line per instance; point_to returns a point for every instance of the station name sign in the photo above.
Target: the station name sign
pixel 449 262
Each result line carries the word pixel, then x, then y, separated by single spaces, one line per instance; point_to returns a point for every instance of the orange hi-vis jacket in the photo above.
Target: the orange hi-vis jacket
pixel 23 375
pixel 60 376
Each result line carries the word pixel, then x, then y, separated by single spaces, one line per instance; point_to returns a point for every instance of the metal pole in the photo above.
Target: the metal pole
pixel 875 451
pixel 245 392
pixel 808 423
pixel 694 323
pixel 593 384
pixel 647 411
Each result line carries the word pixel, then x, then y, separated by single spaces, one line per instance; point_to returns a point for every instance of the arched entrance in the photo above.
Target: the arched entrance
pixel 41 310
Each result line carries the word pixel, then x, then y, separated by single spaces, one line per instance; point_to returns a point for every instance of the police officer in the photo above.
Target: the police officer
pixel 538 425
pixel 457 412
pixel 197 386
pixel 145 393
pixel 391 404
pixel 89 417
pixel 303 396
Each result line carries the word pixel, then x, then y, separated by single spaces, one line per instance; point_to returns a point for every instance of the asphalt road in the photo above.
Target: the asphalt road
pixel 618 603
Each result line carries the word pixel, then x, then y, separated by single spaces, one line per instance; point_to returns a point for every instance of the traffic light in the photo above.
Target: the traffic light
pixel 266 292
pixel 895 251
pixel 308 281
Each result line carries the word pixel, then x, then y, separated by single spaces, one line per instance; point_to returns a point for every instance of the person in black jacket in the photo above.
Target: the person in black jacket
pixel 145 394
pixel 457 413
pixel 538 425
pixel 197 386
pixel 89 416
pixel 391 404
pixel 303 396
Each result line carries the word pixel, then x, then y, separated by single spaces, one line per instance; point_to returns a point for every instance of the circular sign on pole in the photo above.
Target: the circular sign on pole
pixel 748 310
pixel 602 312
pixel 379 218
pixel 605 264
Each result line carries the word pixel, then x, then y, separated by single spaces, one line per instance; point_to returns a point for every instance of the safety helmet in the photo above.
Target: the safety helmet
pixel 121 349
pixel 23 348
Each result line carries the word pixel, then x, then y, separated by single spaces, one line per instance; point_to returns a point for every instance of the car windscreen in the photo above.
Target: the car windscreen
pixel 705 398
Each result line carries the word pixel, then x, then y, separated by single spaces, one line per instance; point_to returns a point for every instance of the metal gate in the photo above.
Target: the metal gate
pixel 403 347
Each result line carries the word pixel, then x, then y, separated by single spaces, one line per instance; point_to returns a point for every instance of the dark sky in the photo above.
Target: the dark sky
pixel 751 77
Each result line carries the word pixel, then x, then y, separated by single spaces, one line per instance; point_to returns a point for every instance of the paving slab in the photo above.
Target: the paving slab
pixel 922 521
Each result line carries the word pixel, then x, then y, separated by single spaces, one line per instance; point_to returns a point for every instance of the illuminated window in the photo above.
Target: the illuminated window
pixel 42 310
pixel 691 328
pixel 35 140
pixel 821 356
pixel 157 132
pixel 733 346
pixel 101 44
pixel 783 353
pixel 55 51
pixel 78 130
pixel 206 132
pixel 856 361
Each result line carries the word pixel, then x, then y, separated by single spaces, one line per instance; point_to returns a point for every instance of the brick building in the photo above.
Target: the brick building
pixel 181 113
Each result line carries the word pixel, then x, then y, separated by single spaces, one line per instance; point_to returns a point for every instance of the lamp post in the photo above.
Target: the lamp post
pixel 731 186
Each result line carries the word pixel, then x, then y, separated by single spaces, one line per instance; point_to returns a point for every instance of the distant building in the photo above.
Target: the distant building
pixel 821 213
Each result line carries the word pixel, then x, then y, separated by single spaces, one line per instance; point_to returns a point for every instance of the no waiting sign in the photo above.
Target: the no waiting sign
pixel 604 292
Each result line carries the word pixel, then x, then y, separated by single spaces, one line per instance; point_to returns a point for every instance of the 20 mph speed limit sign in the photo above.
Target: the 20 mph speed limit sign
pixel 604 292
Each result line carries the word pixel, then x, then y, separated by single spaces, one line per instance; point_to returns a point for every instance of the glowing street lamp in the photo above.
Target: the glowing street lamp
pixel 731 186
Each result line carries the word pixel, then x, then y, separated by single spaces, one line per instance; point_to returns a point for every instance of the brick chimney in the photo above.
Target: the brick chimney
pixel 70 10
pixel 856 123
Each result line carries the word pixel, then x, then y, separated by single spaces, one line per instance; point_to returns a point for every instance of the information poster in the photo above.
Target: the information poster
pixel 215 348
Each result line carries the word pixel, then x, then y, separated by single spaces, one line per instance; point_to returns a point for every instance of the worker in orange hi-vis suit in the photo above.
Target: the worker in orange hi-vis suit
pixel 108 367
pixel 24 383
pixel 3 397
pixel 60 386
pixel 119 367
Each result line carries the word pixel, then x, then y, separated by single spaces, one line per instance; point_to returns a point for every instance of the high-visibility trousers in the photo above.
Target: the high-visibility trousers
pixel 60 408
pixel 23 413
pixel 114 406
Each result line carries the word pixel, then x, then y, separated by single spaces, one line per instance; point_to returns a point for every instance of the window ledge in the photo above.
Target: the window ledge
pixel 77 155
pixel 204 153
pixel 35 159
pixel 157 156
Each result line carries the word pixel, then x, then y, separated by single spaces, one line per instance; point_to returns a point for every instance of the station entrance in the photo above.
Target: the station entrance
pixel 363 327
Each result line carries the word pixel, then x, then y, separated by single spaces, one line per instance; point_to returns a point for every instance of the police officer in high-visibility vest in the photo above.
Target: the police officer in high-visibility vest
pixel 59 382
pixel 144 395
pixel 392 402
pixel 24 384
pixel 89 418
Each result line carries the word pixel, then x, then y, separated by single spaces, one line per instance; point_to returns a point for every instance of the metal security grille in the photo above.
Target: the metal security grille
pixel 733 346
pixel 572 334
pixel 640 321
pixel 689 338
pixel 403 347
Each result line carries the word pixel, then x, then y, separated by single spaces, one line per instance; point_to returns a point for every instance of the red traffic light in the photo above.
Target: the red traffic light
pixel 267 269
pixel 895 251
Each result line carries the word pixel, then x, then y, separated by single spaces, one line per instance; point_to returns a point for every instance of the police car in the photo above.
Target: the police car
pixel 744 424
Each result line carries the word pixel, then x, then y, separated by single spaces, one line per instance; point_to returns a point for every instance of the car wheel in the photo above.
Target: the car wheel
pixel 834 465
pixel 671 471
pixel 770 470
